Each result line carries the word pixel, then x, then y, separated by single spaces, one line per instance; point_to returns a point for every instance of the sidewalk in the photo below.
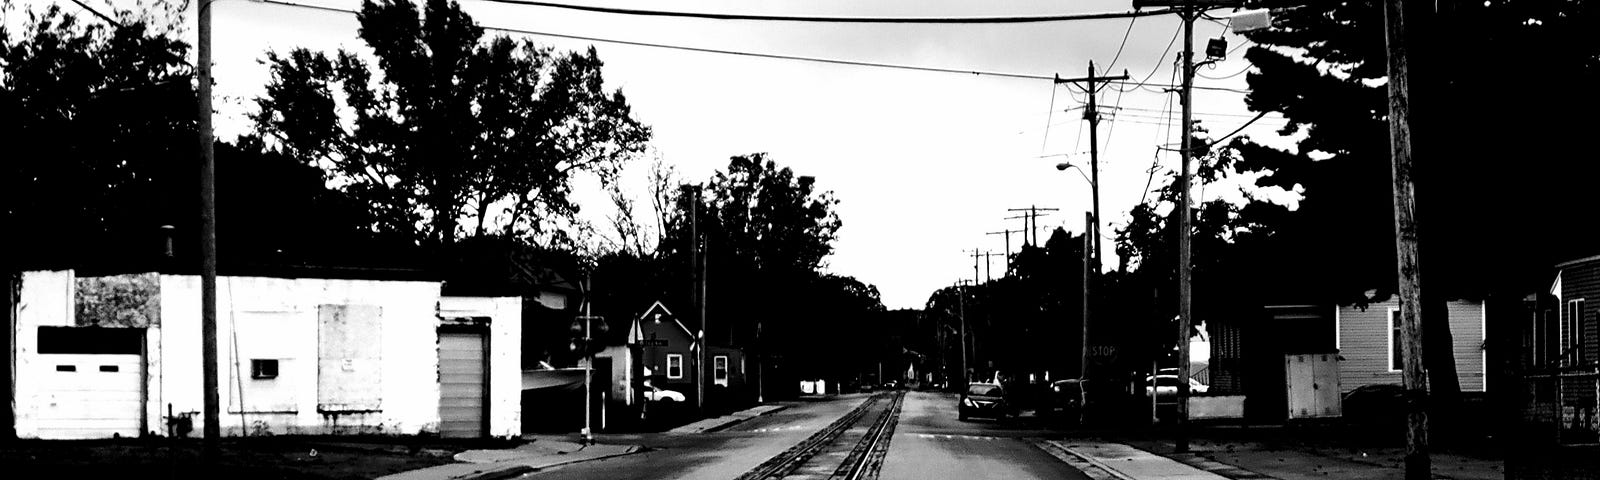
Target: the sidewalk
pixel 540 453
pixel 545 451
pixel 1123 462
pixel 1208 459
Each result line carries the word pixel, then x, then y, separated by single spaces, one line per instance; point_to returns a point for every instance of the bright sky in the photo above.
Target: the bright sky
pixel 924 163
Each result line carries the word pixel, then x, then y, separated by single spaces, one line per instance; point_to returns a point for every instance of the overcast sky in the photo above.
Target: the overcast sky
pixel 924 163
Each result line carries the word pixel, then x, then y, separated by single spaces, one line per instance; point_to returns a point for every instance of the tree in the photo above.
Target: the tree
pixel 1323 67
pixel 102 120
pixel 450 128
pixel 765 233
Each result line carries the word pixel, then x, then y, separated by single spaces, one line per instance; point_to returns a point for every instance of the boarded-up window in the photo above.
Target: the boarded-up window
pixel 118 301
pixel 349 358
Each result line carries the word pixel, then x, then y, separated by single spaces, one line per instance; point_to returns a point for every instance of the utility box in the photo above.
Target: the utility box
pixel 1313 385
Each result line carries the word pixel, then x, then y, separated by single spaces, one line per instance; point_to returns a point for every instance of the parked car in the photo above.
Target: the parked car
pixel 986 400
pixel 1067 397
pixel 656 394
pixel 1165 387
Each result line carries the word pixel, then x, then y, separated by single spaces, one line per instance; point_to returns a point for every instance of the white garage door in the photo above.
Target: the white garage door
pixel 89 396
pixel 461 385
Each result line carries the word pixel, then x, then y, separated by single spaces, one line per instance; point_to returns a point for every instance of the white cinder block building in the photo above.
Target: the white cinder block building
pixel 295 356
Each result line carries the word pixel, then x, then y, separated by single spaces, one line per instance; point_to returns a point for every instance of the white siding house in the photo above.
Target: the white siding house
pixel 1369 355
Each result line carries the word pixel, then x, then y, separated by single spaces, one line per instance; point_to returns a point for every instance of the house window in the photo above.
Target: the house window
pixel 1572 332
pixel 719 370
pixel 1395 361
pixel 674 366
pixel 263 368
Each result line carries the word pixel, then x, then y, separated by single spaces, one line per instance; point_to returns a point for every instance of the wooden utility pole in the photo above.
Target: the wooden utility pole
pixel 1083 360
pixel 1413 376
pixel 696 292
pixel 212 430
pixel 1188 11
pixel 988 267
pixel 975 255
pixel 1032 215
pixel 1092 114
pixel 1007 233
pixel 961 313
pixel 1185 261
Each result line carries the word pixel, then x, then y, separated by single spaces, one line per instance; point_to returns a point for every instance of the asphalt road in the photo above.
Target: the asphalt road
pixel 929 443
pixel 718 455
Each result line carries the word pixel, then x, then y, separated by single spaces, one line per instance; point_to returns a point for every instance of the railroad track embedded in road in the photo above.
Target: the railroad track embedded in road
pixel 862 445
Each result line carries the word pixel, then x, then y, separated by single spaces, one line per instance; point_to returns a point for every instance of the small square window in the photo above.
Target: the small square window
pixel 263 368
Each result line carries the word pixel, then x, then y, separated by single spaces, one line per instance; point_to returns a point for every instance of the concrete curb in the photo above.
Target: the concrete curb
pixel 1096 470
pixel 510 471
pixel 514 469
pixel 509 467
pixel 723 422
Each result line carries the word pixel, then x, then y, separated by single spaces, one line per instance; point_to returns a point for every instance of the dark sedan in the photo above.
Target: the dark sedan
pixel 986 400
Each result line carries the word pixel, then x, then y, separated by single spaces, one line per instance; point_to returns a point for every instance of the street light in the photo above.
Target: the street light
pixel 1067 165
pixel 1092 229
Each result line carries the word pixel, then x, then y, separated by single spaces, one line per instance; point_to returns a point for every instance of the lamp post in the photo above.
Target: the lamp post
pixel 1092 228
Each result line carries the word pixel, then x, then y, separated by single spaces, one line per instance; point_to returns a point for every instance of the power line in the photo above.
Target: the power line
pixel 1164 111
pixel 751 54
pixel 1124 43
pixel 713 50
pixel 1164 53
pixel 823 19
pixel 1225 77
pixel 98 14
pixel 1049 116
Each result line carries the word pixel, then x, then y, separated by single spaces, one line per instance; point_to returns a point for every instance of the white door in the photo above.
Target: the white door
pixel 90 396
pixel 461 385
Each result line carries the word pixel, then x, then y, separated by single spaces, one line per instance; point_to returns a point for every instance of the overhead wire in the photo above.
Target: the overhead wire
pixel 1049 117
pixel 97 13
pixel 1170 43
pixel 756 54
pixel 1124 43
pixel 1155 164
pixel 826 19
pixel 710 50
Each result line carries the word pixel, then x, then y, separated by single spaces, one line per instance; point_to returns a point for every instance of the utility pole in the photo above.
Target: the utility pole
pixel 1092 114
pixel 1413 376
pixel 1025 228
pixel 695 291
pixel 1032 222
pixel 961 312
pixel 588 366
pixel 210 448
pixel 988 267
pixel 1188 11
pixel 975 255
pixel 1083 358
pixel 1007 233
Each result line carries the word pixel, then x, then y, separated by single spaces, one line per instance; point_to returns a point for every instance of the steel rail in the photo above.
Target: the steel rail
pixel 786 462
pixel 876 440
